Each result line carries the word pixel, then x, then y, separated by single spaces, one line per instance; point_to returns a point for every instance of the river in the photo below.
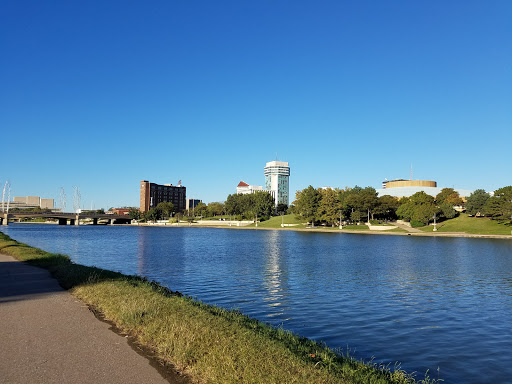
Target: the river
pixel 437 304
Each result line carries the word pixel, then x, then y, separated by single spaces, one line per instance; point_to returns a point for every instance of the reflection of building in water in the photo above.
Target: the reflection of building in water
pixel 275 281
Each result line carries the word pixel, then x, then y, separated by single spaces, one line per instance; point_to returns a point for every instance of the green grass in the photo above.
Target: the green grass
pixel 275 222
pixel 354 227
pixel 400 230
pixel 208 344
pixel 472 225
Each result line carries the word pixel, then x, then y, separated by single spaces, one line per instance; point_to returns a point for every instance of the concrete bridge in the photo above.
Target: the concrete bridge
pixel 63 218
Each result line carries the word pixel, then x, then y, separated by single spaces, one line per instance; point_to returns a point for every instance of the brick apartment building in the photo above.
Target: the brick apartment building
pixel 152 194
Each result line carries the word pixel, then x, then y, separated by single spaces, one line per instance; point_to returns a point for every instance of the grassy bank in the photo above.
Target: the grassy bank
pixel 208 344
pixel 472 225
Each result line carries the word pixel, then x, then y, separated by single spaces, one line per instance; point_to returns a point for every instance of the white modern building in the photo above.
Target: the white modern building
pixel 277 180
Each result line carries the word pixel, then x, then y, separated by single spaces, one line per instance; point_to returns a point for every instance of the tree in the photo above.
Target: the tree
pixel 353 202
pixel 134 214
pixel 306 204
pixel 233 204
pixel 447 210
pixel 215 209
pixel 165 208
pixel 263 204
pixel 499 206
pixel 369 200
pixel 386 207
pixel 282 208
pixel 419 208
pixel 476 202
pixel 154 214
pixel 201 210
pixel 449 196
pixel 329 206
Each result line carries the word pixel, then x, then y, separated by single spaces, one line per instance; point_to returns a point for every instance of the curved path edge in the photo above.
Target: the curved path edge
pixel 48 336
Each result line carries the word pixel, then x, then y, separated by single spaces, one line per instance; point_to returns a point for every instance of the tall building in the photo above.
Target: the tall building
pixel 277 179
pixel 152 194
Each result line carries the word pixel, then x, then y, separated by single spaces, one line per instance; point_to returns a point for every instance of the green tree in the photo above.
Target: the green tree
pixel 165 208
pixel 215 209
pixel 233 204
pixel 154 214
pixel 449 196
pixel 386 208
pixel 476 202
pixel 200 210
pixel 329 206
pixel 134 214
pixel 499 206
pixel 447 210
pixel 263 204
pixel 369 201
pixel 419 208
pixel 281 208
pixel 353 202
pixel 306 204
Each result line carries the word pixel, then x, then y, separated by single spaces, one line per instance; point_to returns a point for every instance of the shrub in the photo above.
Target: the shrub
pixel 416 224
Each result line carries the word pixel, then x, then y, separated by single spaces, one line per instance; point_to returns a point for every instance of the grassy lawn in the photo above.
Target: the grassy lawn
pixel 361 227
pixel 208 344
pixel 275 222
pixel 473 225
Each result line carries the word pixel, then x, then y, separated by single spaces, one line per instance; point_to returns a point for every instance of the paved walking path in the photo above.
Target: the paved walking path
pixel 48 336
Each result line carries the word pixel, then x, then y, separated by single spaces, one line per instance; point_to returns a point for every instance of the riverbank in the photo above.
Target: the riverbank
pixel 341 231
pixel 206 343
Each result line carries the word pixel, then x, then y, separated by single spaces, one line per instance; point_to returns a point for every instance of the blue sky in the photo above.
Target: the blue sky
pixel 103 94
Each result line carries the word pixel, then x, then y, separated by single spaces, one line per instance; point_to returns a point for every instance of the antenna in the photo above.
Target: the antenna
pixel 76 199
pixel 276 156
pixel 62 200
pixel 411 171
pixel 3 197
pixel 7 186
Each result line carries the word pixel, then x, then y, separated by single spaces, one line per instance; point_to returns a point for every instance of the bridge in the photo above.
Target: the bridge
pixel 63 218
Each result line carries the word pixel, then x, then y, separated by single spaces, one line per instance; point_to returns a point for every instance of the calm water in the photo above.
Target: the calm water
pixel 430 303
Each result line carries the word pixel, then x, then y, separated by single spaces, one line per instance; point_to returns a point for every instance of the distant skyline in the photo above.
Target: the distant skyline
pixel 102 95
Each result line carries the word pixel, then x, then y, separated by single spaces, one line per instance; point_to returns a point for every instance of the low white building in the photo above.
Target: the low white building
pixel 243 188
pixel 409 191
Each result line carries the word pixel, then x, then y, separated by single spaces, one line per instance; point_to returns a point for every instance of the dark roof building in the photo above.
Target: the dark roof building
pixel 152 194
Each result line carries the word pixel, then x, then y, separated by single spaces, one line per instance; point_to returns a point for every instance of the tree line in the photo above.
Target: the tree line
pixel 333 206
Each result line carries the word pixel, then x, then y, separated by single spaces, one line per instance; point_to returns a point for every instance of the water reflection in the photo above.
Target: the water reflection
pixel 274 276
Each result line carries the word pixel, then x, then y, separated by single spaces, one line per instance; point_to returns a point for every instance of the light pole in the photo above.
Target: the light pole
pixel 435 229
pixel 341 226
pixel 256 220
pixel 282 219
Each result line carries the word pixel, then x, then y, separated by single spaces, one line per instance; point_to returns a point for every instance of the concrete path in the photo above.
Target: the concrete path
pixel 407 228
pixel 48 336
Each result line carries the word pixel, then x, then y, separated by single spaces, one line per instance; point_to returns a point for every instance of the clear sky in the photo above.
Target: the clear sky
pixel 103 94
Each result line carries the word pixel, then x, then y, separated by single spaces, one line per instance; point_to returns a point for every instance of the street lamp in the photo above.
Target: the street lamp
pixel 341 226
pixel 435 229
